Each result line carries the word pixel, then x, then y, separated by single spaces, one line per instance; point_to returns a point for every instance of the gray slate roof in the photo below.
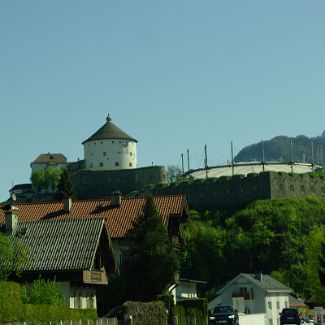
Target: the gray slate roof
pixel 109 131
pixel 61 245
pixel 51 158
pixel 267 283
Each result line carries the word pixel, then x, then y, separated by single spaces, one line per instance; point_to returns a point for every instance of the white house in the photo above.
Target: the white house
pixel 256 294
pixel 110 148
pixel 49 160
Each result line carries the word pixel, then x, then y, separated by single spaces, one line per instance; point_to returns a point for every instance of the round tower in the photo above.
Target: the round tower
pixel 110 148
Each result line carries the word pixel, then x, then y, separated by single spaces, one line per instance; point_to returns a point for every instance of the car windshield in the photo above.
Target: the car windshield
pixel 290 312
pixel 222 309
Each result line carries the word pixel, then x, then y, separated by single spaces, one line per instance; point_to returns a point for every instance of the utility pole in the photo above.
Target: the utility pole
pixel 206 161
pixel 232 159
pixel 182 156
pixel 188 159
pixel 263 157
pixel 291 149
pixel 312 156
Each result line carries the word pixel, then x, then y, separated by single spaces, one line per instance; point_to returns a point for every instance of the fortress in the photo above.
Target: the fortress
pixel 234 192
pixel 110 165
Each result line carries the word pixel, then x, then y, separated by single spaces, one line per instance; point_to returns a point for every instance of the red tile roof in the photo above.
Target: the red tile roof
pixel 118 219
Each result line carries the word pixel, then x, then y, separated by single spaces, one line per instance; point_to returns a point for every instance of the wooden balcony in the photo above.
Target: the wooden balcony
pixel 95 277
pixel 245 295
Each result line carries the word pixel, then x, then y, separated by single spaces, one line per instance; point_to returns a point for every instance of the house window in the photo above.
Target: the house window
pixel 278 305
pixel 269 304
pixel 101 164
pixel 270 321
pixel 130 164
pixel 121 258
pixel 117 164
pixel 104 153
pixel 131 153
pixel 77 301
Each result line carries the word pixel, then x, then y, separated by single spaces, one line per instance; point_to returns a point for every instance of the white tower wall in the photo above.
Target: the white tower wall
pixel 110 154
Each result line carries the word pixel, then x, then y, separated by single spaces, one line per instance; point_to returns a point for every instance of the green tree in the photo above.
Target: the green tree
pixel 13 256
pixel 64 187
pixel 42 292
pixel 150 262
pixel 46 180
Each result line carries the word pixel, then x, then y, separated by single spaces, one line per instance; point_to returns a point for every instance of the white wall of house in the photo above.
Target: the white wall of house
pixel 274 303
pixel 259 301
pixel 119 247
pixel 81 296
pixel 110 154
pixel 186 290
pixel 44 166
pixel 253 319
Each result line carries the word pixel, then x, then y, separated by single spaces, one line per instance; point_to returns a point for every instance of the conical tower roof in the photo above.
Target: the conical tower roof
pixel 109 131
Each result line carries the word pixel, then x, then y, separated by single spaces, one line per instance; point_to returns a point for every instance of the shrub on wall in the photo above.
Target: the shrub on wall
pixel 179 311
pixel 146 313
pixel 12 309
pixel 11 306
pixel 197 308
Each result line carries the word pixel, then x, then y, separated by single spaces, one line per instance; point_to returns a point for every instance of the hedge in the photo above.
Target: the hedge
pixel 197 308
pixel 146 313
pixel 12 309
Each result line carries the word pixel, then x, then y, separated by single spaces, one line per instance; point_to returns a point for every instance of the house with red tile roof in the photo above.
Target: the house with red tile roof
pixel 118 214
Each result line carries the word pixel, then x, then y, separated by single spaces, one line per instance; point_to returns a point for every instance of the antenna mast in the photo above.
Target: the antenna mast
pixel 206 161
pixel 263 157
pixel 291 149
pixel 188 159
pixel 232 159
pixel 182 156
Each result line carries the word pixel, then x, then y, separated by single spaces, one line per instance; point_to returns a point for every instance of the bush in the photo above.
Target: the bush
pixel 11 306
pixel 197 308
pixel 179 311
pixel 12 309
pixel 146 313
pixel 46 313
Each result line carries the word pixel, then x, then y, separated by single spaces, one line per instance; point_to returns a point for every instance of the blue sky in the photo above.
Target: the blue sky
pixel 173 74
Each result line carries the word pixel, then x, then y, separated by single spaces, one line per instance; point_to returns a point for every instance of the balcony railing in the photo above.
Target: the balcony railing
pixel 245 295
pixel 95 277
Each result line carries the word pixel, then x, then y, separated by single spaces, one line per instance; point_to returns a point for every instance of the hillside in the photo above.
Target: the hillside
pixel 278 149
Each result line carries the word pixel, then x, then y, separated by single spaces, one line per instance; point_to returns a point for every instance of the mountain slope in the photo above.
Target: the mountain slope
pixel 304 150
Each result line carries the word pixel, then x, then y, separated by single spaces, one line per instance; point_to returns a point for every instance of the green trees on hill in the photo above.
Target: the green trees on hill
pixel 280 237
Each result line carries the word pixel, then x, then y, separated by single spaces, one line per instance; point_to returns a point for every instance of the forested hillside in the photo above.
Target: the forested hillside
pixel 304 149
pixel 281 237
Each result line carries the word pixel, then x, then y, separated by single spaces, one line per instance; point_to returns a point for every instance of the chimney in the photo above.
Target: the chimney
pixel 11 217
pixel 259 276
pixel 115 199
pixel 67 204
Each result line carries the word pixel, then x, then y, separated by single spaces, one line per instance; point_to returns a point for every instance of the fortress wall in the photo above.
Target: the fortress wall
pixel 296 185
pixel 221 193
pixel 98 184
pixel 230 193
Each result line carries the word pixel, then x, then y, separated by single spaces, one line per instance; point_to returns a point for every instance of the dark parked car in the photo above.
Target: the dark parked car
pixel 290 316
pixel 224 315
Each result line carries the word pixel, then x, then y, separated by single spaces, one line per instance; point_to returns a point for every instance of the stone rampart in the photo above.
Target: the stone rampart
pixel 99 184
pixel 234 192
